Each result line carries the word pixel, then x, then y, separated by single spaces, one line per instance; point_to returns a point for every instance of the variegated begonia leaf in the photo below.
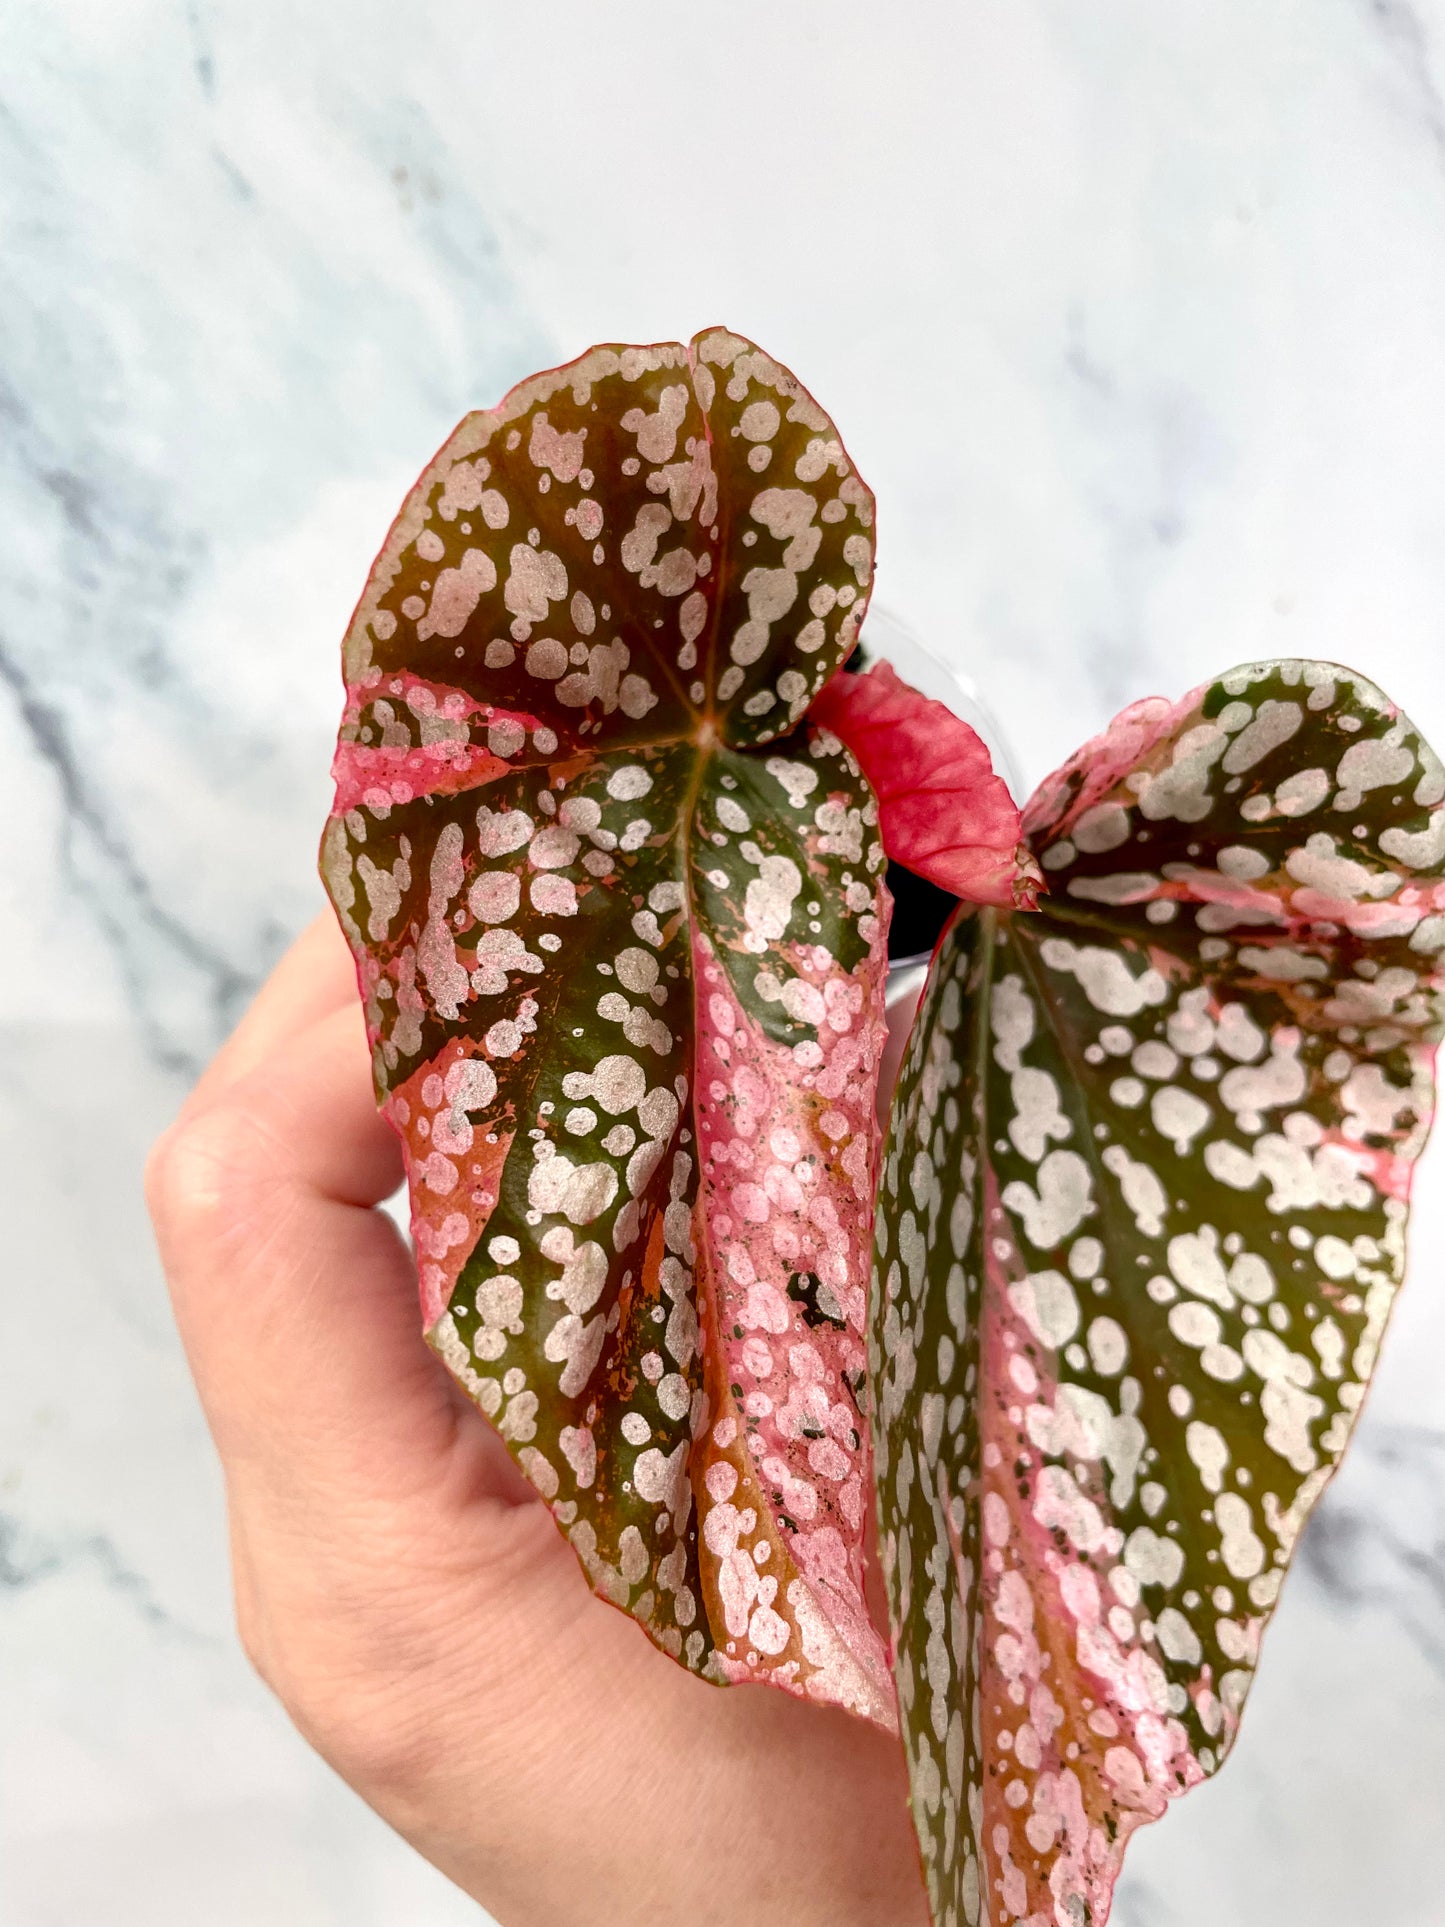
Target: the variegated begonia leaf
pixel 942 809
pixel 1141 1220
pixel 619 921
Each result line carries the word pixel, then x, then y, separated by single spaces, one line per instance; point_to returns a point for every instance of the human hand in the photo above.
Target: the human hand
pixel 405 1594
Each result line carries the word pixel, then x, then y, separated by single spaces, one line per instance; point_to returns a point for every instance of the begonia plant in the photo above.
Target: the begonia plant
pixel 1141 1223
pixel 609 846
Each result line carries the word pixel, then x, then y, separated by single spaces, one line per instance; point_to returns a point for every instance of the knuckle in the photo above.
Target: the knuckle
pixel 374 1731
pixel 254 1648
pixel 205 1171
pixel 248 1605
pixel 370 1686
pixel 253 1645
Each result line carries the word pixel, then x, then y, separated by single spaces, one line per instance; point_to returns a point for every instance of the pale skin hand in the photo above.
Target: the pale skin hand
pixel 402 1590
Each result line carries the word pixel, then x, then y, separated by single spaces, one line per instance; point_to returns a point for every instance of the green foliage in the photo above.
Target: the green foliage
pixel 620 929
pixel 1140 1226
pixel 616 902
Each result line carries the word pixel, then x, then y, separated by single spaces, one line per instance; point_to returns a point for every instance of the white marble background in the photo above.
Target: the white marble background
pixel 1133 312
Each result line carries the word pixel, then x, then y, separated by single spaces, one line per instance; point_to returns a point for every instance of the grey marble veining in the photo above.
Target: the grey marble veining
pixel 1133 317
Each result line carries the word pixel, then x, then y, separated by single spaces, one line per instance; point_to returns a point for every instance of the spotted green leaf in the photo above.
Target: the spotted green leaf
pixel 620 929
pixel 1141 1221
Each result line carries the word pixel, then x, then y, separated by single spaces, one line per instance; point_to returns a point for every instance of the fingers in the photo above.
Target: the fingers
pixel 296 1301
pixel 311 1099
pixel 316 976
pixel 369 1577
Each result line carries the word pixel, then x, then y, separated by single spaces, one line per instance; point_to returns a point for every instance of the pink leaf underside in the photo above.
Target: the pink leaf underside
pixel 1140 1225
pixel 620 926
pixel 942 810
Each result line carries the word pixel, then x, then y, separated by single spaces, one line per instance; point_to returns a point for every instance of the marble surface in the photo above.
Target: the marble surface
pixel 1133 316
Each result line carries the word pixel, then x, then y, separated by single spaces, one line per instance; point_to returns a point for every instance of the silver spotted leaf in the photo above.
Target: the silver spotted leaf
pixel 1141 1221
pixel 619 922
